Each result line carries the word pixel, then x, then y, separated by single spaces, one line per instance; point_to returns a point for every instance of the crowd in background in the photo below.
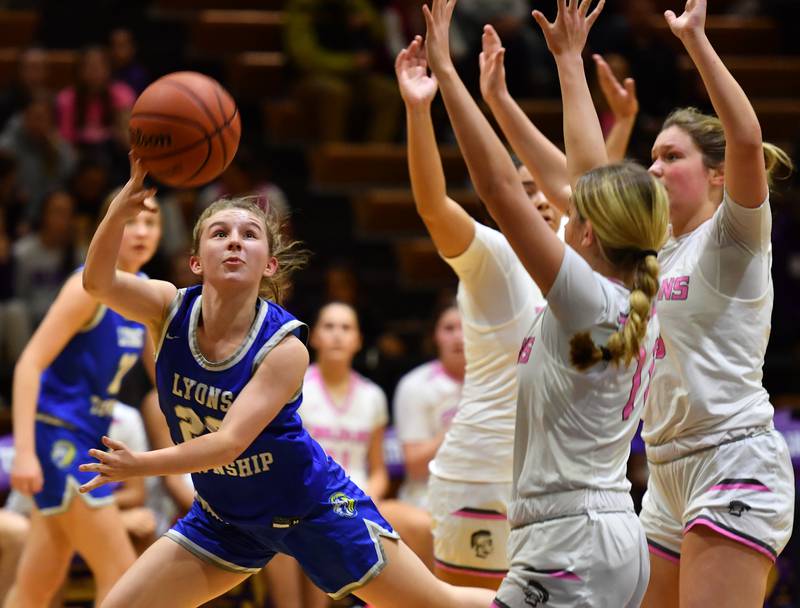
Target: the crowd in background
pixel 63 152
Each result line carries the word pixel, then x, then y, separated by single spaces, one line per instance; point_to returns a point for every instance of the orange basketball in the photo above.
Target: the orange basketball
pixel 185 128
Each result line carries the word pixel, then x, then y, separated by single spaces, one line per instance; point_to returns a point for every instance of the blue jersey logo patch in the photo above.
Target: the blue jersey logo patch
pixel 343 505
pixel 63 453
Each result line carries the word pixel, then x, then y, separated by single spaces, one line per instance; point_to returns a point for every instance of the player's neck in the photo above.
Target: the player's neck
pixel 227 316
pixel 334 373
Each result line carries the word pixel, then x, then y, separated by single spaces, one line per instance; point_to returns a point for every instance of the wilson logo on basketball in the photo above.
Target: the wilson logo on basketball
pixel 140 139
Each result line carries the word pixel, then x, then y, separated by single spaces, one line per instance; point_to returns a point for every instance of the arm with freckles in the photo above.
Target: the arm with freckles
pixel 135 298
pixel 271 387
pixel 745 174
pixel 490 167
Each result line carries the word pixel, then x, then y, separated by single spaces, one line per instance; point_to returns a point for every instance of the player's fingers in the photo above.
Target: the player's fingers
pixel 595 13
pixel 96 482
pixel 630 86
pixel 113 443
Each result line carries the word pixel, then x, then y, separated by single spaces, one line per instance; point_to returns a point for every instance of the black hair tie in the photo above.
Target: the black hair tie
pixel 606 353
pixel 648 252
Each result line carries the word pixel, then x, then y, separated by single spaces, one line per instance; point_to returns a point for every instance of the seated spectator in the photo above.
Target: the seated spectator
pixel 530 71
pixel 124 63
pixel 93 113
pixel 337 46
pixel 425 402
pixel 31 81
pixel 45 258
pixel 44 159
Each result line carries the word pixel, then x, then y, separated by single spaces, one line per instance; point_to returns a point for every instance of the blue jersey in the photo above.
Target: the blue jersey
pixel 283 473
pixel 78 389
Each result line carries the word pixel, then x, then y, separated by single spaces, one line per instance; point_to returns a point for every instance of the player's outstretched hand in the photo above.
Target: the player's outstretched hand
pixel 437 38
pixel 691 22
pixel 621 98
pixel 568 33
pixel 493 71
pixel 26 474
pixel 133 197
pixel 118 464
pixel 417 87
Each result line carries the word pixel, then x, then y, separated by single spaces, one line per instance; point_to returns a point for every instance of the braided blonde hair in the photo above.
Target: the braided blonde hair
pixel 629 211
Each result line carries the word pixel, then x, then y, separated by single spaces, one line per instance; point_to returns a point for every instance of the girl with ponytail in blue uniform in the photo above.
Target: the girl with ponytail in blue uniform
pixel 229 368
pixel 65 384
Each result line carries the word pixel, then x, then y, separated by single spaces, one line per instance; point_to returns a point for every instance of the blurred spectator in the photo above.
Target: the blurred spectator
pixel 403 19
pixel 13 532
pixel 31 80
pixel 425 402
pixel 337 46
pixel 89 186
pixel 93 113
pixel 245 177
pixel 529 67
pixel 124 62
pixel 46 257
pixel 44 159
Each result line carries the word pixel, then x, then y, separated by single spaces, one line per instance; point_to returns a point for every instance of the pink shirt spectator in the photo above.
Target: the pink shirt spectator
pixel 93 130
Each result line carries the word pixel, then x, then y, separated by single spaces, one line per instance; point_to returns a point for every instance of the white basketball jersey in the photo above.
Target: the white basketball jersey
pixel 574 428
pixel 714 306
pixel 498 301
pixel 425 402
pixel 344 430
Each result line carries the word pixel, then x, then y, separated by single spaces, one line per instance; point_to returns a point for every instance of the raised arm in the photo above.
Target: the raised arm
pixel 450 227
pixel 546 162
pixel 133 297
pixel 271 387
pixel 490 167
pixel 566 37
pixel 624 105
pixel 745 174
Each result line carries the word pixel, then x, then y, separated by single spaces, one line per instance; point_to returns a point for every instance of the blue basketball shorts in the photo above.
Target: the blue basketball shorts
pixel 60 451
pixel 337 543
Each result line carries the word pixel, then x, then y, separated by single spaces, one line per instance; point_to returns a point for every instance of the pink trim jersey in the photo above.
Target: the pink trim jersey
pixel 714 306
pixel 344 429
pixel 497 300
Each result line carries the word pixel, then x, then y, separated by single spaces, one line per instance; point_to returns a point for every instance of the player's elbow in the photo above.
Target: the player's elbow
pixel 94 287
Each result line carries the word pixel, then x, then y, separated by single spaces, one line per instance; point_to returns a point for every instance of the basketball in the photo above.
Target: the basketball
pixel 185 128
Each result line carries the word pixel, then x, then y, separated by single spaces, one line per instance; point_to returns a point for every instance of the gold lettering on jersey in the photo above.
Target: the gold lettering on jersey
pixel 102 407
pixel 246 467
pixel 209 396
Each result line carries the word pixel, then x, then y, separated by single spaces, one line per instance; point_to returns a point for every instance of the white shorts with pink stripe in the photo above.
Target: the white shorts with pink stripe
pixel 743 490
pixel 470 528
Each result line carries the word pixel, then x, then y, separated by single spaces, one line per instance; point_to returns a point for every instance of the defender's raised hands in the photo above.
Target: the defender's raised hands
pixel 493 71
pixel 692 21
pixel 621 98
pixel 437 38
pixel 568 33
pixel 411 67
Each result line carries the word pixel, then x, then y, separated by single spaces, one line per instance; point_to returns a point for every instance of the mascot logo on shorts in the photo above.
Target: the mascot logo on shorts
pixel 535 594
pixel 343 505
pixel 63 453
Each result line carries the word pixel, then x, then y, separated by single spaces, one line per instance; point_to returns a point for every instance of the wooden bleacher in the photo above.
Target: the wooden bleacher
pixel 18 28
pixel 344 167
pixel 224 32
pixel 253 76
pixel 420 266
pixel 60 65
pixel 389 213
pixel 761 76
pixel 730 35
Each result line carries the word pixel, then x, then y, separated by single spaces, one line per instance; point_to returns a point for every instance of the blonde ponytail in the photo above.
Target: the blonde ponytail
pixel 629 212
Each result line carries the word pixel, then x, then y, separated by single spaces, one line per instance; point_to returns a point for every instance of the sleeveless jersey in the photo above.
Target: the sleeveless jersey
pixel 497 300
pixel 283 473
pixel 574 428
pixel 78 389
pixel 344 430
pixel 715 307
